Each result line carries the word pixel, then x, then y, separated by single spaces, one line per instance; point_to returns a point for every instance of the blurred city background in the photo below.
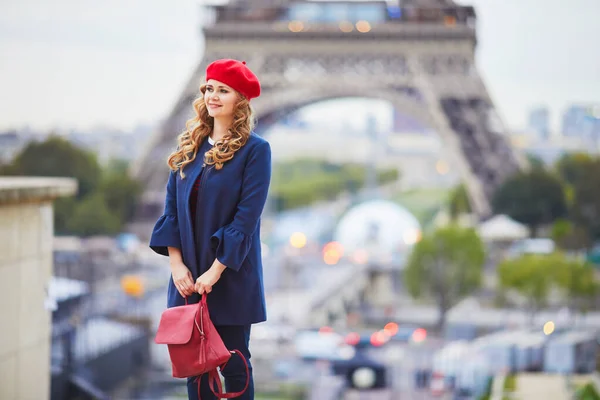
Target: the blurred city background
pixel 433 224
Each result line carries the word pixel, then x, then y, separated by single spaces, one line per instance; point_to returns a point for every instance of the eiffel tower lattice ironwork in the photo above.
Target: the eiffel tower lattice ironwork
pixel 417 54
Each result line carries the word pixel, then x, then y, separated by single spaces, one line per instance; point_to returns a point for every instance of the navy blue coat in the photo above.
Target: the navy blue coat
pixel 231 201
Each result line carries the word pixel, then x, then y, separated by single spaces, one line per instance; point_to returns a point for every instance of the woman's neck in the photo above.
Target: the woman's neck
pixel 220 129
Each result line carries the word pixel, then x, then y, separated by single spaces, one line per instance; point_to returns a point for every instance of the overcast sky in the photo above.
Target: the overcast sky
pixel 80 63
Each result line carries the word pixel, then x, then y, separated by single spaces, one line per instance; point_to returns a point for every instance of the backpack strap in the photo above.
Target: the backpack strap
pixel 214 381
pixel 214 376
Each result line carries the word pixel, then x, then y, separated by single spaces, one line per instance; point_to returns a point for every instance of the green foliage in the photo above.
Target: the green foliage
pixel 510 383
pixel 578 282
pixel 587 392
pixel 92 217
pixel 58 157
pixel 569 236
pixel 581 174
pixel 534 161
pixel 63 211
pixel 424 204
pixel 534 276
pixel 7 170
pixel 120 194
pixel 459 201
pixel 570 167
pixel 105 200
pixel 534 198
pixel 116 167
pixel 305 181
pixel 561 228
pixel 446 265
pixel 585 210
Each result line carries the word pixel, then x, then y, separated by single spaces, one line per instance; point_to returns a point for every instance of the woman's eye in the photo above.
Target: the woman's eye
pixel 223 91
pixel 209 89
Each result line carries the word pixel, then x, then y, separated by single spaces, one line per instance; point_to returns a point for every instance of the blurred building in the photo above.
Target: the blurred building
pixel 539 122
pixel 101 321
pixel 582 120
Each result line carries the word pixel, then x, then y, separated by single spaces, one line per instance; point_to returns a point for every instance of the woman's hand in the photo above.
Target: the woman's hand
pixel 207 280
pixel 182 278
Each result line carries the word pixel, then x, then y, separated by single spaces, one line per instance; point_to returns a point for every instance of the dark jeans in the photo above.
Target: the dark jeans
pixel 235 337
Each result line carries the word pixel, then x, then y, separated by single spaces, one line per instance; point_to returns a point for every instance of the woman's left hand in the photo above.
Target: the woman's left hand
pixel 207 280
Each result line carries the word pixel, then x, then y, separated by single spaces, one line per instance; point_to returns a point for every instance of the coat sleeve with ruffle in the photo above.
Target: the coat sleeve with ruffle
pixel 166 230
pixel 233 241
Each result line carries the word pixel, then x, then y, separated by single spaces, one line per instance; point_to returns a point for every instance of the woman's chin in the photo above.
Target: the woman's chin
pixel 219 115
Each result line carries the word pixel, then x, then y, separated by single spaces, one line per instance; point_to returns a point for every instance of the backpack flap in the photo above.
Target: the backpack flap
pixel 176 325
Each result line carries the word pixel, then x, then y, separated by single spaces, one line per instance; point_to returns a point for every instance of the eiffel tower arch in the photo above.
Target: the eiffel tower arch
pixel 418 55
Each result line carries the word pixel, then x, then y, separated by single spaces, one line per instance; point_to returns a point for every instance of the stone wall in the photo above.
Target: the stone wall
pixel 26 232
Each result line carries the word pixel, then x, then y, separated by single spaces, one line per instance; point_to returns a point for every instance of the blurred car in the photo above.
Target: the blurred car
pixel 391 333
pixel 322 345
pixel 361 372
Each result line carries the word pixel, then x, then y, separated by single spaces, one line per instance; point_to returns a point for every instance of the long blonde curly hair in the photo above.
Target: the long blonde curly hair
pixel 200 127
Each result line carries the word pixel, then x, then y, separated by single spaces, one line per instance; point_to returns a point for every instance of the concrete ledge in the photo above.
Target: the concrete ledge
pixel 25 189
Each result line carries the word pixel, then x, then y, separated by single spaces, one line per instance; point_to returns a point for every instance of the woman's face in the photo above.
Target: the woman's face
pixel 220 99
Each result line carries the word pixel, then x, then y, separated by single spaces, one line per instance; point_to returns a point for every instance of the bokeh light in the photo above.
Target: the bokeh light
pixel 332 252
pixel 296 26
pixel 549 328
pixel 132 285
pixel 419 335
pixel 391 328
pixel 352 338
pixel 325 330
pixel 346 26
pixel 442 167
pixel 298 240
pixel 363 26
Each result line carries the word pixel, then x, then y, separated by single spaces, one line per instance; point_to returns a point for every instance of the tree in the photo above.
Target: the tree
pixel 585 210
pixel 577 280
pixel 446 265
pixel 569 236
pixel 533 198
pixel 7 170
pixel 570 167
pixel 92 217
pixel 531 276
pixel 58 157
pixel 535 276
pixel 534 161
pixel 459 201
pixel 63 211
pixel 120 194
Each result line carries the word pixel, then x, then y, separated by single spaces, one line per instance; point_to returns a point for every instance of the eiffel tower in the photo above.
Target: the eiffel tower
pixel 417 54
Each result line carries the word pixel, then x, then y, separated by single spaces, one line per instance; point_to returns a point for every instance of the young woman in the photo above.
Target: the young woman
pixel 210 230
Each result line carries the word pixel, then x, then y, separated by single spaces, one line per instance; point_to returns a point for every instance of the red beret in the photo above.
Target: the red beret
pixel 236 74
